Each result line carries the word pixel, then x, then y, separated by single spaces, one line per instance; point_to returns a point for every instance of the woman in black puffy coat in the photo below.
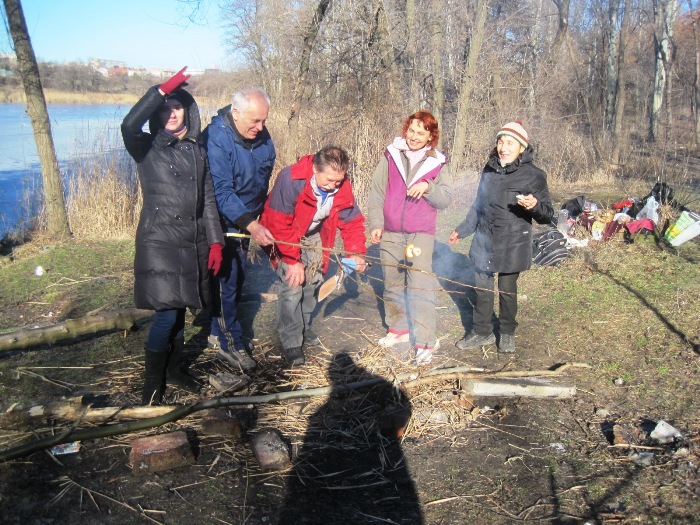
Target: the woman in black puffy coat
pixel 179 237
pixel 512 193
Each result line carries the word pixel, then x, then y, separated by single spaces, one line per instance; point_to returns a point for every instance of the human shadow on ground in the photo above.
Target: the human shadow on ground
pixel 350 289
pixel 455 273
pixel 351 467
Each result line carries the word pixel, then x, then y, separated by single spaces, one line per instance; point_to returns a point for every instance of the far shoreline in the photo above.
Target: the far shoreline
pixel 16 96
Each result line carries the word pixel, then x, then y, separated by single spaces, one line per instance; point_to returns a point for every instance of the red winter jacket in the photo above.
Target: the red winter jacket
pixel 291 206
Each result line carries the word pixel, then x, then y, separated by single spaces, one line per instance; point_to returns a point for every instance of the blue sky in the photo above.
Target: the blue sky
pixel 142 33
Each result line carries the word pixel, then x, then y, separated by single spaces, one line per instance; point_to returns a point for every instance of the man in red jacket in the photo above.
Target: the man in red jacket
pixel 309 202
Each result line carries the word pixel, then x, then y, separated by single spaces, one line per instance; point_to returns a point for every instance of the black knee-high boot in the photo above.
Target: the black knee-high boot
pixel 176 372
pixel 154 380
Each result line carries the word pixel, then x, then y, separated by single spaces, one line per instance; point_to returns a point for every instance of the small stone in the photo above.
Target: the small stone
pixel 160 452
pixel 643 458
pixel 270 451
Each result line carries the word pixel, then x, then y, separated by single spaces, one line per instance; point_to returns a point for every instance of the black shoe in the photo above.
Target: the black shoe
pixel 176 373
pixel 310 338
pixel 154 378
pixel 507 344
pixel 474 340
pixel 294 355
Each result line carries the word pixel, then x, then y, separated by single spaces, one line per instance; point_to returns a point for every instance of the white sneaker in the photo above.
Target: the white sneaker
pixel 424 354
pixel 395 337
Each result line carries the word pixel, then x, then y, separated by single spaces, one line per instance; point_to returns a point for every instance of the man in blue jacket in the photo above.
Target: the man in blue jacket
pixel 241 159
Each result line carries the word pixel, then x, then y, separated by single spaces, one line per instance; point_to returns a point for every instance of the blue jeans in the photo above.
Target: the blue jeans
pixel 166 326
pixel 226 293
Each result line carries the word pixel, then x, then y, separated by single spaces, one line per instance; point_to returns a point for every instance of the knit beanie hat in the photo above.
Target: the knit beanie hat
pixel 516 131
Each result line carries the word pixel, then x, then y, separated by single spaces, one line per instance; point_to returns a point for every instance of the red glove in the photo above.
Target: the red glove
pixel 174 82
pixel 216 257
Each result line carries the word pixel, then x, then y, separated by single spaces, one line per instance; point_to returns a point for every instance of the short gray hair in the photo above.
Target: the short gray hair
pixel 241 99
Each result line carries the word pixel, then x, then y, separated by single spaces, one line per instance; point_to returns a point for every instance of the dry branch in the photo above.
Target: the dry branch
pixel 72 328
pixel 71 434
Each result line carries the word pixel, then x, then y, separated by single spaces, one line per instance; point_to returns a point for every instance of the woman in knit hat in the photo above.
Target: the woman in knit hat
pixel 512 193
pixel 179 238
pixel 410 184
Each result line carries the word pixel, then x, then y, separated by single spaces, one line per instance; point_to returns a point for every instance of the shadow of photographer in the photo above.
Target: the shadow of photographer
pixel 351 467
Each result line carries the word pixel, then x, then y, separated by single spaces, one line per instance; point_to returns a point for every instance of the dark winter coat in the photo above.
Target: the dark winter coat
pixel 179 219
pixel 503 229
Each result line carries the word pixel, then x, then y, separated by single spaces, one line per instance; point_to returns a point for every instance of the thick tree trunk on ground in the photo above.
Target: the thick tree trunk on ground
pixel 72 328
pixel 57 219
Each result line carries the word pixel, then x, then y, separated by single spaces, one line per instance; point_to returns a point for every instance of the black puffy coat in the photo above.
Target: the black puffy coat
pixel 503 229
pixel 179 218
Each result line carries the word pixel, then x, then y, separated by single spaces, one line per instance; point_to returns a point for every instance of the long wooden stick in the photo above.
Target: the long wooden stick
pixel 73 434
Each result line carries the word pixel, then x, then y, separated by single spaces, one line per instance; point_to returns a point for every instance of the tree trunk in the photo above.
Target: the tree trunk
pixel 621 89
pixel 696 79
pixel 438 82
pixel 563 22
pixel 57 219
pixel 613 64
pixel 474 44
pixel 413 83
pixel 664 18
pixel 298 95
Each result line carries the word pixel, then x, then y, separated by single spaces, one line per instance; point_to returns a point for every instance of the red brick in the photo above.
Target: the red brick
pixel 218 422
pixel 160 452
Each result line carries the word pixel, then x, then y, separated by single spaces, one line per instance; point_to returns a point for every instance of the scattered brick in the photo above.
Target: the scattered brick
pixel 219 422
pixel 160 452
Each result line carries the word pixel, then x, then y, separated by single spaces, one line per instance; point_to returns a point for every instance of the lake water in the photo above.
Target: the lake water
pixel 78 131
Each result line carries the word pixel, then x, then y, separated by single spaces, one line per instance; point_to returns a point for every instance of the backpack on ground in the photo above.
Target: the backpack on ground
pixel 549 248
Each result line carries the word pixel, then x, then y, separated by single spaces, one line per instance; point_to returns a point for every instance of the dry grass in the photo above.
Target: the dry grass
pixel 105 206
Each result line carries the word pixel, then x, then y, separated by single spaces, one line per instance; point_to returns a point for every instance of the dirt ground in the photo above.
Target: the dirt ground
pixel 460 460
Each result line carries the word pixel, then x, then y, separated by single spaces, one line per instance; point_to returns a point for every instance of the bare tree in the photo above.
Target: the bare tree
pixel 474 43
pixel 696 70
pixel 612 66
pixel 300 82
pixel 664 18
pixel 436 35
pixel 57 219
pixel 563 22
pixel 621 87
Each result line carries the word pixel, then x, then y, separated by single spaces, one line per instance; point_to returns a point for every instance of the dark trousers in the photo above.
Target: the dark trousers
pixel 507 302
pixel 167 325
pixel 226 293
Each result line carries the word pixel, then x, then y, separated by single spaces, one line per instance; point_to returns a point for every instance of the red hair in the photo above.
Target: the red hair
pixel 428 122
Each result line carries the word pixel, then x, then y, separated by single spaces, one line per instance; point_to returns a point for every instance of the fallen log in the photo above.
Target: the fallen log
pixel 408 380
pixel 72 328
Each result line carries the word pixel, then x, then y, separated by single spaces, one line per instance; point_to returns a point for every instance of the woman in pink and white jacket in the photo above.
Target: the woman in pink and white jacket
pixel 409 186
